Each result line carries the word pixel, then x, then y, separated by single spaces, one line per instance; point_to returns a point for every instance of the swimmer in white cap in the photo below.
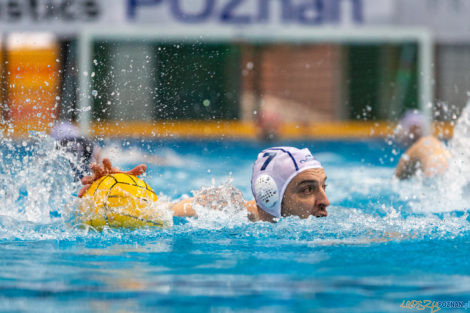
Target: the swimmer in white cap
pixel 286 181
pixel 411 128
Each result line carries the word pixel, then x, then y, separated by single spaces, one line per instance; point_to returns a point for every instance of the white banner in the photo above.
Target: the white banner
pixel 246 12
pixel 69 16
pixel 448 19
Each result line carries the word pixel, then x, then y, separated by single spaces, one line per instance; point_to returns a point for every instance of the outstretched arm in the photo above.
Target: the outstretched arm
pixel 184 208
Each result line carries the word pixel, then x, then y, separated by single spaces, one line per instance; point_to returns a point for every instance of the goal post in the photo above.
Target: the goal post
pixel 257 35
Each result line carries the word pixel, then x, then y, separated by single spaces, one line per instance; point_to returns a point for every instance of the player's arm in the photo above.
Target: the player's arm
pixel 184 208
pixel 407 165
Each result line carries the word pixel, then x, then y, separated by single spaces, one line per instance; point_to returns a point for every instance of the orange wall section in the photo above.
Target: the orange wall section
pixel 33 80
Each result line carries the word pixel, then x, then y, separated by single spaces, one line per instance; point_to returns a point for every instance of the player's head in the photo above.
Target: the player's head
pixel 64 130
pixel 289 181
pixel 68 138
pixel 411 127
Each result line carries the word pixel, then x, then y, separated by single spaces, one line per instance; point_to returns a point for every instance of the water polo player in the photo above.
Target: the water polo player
pixel 425 153
pixel 286 181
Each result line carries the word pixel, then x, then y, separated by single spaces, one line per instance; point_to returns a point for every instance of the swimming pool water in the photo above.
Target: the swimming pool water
pixel 383 242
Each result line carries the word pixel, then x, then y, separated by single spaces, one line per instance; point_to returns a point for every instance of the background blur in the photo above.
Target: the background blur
pixel 224 67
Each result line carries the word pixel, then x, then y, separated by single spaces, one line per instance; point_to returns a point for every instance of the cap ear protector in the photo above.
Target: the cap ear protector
pixel 266 191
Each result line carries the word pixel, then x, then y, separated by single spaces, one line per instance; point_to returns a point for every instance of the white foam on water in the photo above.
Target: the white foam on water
pixel 351 225
pixel 360 181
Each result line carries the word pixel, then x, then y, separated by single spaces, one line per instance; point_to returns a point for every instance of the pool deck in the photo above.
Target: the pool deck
pixel 233 129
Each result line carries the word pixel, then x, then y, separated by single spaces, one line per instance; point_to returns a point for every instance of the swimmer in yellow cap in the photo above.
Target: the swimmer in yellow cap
pixel 286 181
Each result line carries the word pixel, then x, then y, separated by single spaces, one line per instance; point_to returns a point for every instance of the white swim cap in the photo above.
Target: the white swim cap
pixel 272 172
pixel 64 129
pixel 413 125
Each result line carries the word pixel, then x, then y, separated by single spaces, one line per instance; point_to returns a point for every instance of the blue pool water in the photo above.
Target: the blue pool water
pixel 383 242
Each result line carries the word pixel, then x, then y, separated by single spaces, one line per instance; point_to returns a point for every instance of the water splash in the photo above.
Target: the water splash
pixel 219 207
pixel 132 155
pixel 457 177
pixel 37 179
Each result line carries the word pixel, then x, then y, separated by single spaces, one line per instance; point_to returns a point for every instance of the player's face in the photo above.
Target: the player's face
pixel 305 195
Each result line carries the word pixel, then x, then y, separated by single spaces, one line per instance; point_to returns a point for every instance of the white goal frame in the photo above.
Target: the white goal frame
pixel 258 35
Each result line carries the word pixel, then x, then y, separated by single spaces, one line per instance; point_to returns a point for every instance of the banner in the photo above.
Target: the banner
pixel 70 16
pixel 246 12
pixel 448 19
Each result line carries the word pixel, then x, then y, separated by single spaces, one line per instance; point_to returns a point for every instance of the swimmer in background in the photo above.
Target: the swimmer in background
pixel 426 153
pixel 83 150
pixel 286 181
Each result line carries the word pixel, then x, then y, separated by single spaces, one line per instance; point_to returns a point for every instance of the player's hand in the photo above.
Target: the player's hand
pixel 100 170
